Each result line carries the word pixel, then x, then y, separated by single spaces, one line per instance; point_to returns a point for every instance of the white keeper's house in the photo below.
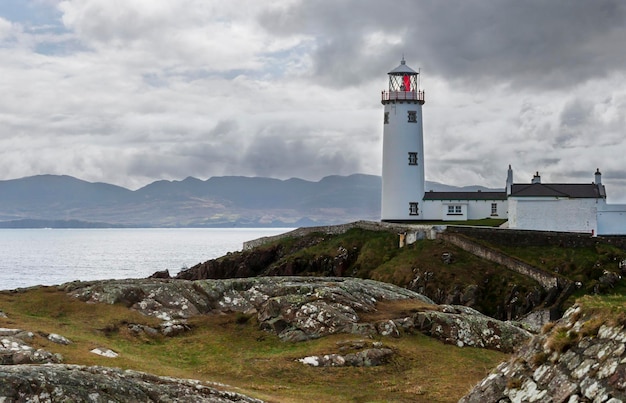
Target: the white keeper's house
pixel 568 207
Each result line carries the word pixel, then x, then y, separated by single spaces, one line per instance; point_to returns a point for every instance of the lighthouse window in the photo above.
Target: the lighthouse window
pixel 413 208
pixel 412 158
pixel 412 116
pixel 386 117
pixel 494 208
pixel 454 210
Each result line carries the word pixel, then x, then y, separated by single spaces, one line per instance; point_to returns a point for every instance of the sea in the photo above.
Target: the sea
pixel 30 257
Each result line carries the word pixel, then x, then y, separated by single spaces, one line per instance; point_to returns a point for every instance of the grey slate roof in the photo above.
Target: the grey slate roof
pixel 465 196
pixel 571 190
pixel 403 69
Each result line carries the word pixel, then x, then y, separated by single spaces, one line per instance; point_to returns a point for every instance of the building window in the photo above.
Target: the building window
pixel 455 210
pixel 386 117
pixel 413 208
pixel 494 208
pixel 412 158
pixel 412 116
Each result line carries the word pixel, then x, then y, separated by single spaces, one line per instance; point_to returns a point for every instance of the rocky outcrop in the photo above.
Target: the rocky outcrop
pixel 465 326
pixel 580 359
pixel 74 383
pixel 303 308
pixel 345 251
pixel 15 348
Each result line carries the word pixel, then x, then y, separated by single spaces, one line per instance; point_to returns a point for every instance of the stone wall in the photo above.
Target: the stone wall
pixel 548 281
pixel 516 237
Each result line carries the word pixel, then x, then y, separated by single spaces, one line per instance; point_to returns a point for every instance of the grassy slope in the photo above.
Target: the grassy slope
pixel 232 350
pixel 379 258
pixel 586 265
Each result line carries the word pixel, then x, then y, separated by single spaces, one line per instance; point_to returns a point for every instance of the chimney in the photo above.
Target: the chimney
pixel 536 178
pixel 598 177
pixel 509 180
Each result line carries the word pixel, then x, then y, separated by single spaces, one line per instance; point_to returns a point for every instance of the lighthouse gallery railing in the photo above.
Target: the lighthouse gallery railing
pixel 403 96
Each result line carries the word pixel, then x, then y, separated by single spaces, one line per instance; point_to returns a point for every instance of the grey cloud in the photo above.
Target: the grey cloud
pixel 575 113
pixel 292 88
pixel 529 44
pixel 573 123
pixel 278 153
pixel 615 175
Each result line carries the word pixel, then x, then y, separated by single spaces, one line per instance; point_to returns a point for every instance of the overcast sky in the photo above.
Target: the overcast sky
pixel 132 91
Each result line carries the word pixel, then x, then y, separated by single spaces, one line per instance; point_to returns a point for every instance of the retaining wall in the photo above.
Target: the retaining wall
pixel 412 233
pixel 547 281
pixel 516 237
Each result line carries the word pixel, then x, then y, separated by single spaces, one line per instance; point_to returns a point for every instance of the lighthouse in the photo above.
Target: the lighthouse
pixel 403 147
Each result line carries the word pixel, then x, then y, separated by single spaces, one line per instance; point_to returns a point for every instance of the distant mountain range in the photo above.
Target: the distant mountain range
pixel 230 201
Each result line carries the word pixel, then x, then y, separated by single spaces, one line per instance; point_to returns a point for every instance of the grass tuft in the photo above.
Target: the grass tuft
pixel 562 339
pixel 539 359
pixel 514 383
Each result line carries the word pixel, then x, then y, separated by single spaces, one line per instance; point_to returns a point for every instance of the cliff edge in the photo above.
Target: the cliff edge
pixel 579 358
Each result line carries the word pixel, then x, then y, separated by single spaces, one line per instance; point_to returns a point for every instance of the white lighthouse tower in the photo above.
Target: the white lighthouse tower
pixel 403 147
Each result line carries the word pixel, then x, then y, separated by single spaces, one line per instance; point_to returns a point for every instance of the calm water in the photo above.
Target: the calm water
pixel 54 256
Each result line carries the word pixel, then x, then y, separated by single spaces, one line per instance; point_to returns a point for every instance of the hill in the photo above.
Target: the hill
pixel 228 201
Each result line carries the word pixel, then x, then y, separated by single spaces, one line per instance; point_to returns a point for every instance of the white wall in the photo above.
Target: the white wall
pixel 554 214
pixel 431 210
pixel 446 216
pixel 479 209
pixel 612 219
pixel 470 209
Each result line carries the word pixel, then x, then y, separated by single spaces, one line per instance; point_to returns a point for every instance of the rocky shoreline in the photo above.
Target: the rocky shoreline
pixel 300 299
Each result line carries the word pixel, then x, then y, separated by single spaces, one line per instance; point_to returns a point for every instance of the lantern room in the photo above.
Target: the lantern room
pixel 403 85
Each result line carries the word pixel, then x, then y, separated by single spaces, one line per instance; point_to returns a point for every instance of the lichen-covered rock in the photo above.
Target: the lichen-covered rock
pixel 576 361
pixel 74 383
pixel 465 326
pixel 14 350
pixel 300 308
pixel 295 308
pixel 57 338
pixel 104 352
pixel 371 357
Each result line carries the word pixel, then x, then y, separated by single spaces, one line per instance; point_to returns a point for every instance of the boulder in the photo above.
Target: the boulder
pixel 161 274
pixel 74 383
pixel 104 352
pixel 371 357
pixel 466 327
pixel 14 350
pixel 58 339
